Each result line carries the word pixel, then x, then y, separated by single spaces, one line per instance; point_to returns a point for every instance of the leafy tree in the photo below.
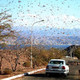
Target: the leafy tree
pixel 56 53
pixel 77 52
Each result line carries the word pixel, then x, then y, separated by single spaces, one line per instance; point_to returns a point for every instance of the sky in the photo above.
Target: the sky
pixel 51 17
pixel 55 13
pixel 63 14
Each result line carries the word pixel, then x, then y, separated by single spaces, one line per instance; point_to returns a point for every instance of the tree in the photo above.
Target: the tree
pixel 14 60
pixel 5 26
pixel 77 53
pixel 5 31
pixel 56 53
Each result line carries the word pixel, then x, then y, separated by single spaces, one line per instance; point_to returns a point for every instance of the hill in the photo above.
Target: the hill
pixel 45 36
pixel 71 50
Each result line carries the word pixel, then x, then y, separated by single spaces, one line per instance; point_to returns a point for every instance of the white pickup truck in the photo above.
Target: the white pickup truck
pixel 57 66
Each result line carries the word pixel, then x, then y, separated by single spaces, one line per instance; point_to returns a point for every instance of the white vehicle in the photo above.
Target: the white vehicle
pixel 57 66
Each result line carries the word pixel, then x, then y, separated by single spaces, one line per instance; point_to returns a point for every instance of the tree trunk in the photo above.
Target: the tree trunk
pixel 1 65
pixel 16 62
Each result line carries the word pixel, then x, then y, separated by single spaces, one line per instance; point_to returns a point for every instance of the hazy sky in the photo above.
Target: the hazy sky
pixel 55 13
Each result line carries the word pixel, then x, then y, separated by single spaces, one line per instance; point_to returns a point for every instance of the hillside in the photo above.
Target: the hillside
pixel 72 50
pixel 17 60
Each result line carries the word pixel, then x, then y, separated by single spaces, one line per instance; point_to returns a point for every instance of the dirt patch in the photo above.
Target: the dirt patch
pixel 19 72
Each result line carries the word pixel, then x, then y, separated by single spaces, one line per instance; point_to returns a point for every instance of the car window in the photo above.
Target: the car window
pixel 56 62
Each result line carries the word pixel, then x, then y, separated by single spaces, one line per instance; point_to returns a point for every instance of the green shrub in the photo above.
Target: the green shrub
pixel 26 64
pixel 7 71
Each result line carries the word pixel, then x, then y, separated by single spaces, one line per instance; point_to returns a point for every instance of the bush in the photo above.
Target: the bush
pixel 19 70
pixel 26 64
pixel 7 71
pixel 0 71
pixel 77 53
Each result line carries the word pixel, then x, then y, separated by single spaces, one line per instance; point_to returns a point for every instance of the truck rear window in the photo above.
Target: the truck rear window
pixel 56 62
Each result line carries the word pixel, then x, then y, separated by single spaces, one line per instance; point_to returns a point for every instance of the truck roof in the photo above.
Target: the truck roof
pixel 57 60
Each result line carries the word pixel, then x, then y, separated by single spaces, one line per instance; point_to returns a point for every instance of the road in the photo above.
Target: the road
pixel 74 75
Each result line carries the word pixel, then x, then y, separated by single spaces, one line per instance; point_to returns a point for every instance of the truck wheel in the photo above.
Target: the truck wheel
pixel 47 74
pixel 65 75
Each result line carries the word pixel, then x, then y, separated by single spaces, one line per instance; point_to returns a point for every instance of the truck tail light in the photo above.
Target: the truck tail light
pixel 63 67
pixel 47 67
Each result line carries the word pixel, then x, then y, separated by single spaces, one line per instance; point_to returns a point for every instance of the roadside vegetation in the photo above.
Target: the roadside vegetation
pixel 16 60
pixel 77 53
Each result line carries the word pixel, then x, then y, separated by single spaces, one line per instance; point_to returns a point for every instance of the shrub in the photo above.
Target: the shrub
pixel 7 71
pixel 77 53
pixel 26 64
pixel 0 71
pixel 19 70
